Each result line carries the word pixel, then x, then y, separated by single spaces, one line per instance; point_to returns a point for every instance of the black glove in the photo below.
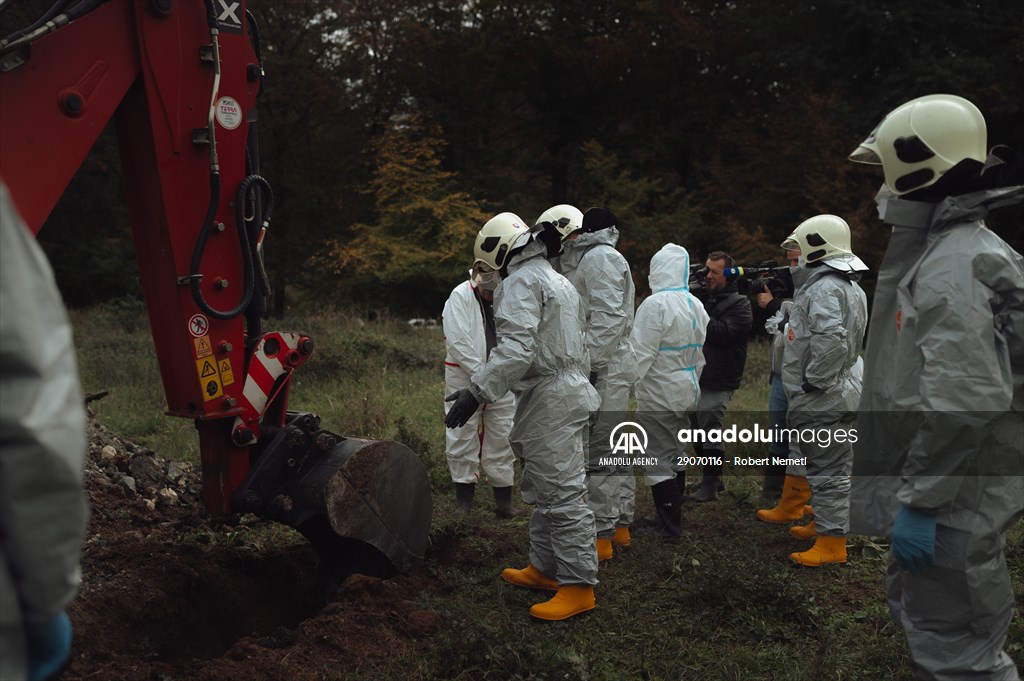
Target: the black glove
pixel 465 406
pixel 593 378
pixel 808 388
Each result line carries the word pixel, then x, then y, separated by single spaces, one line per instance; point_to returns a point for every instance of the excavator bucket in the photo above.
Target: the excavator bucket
pixel 364 504
pixel 379 495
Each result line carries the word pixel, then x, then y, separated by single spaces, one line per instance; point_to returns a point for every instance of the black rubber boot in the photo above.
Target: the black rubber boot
pixel 771 488
pixel 464 497
pixel 681 482
pixel 668 510
pixel 503 507
pixel 710 485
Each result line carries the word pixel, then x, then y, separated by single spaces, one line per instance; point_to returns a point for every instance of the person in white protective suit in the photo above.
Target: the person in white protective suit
pixel 821 374
pixel 469 337
pixel 667 341
pixel 43 511
pixel 541 356
pixel 602 276
pixel 939 462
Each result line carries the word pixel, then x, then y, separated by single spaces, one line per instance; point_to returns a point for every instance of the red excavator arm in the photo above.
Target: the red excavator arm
pixel 180 78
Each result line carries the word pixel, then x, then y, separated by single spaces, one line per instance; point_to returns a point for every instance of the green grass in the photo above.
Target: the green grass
pixel 723 604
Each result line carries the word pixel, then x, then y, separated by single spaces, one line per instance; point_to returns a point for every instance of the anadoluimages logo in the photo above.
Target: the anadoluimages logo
pixel 628 438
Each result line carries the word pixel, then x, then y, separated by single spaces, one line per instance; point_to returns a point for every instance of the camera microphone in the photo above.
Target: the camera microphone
pixel 731 273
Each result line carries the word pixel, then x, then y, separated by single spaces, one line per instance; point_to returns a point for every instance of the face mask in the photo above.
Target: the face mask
pixel 488 281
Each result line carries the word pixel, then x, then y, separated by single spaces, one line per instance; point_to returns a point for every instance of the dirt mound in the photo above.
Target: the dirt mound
pixel 169 592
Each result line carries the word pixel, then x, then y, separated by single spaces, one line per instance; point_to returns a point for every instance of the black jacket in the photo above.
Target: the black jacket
pixel 725 348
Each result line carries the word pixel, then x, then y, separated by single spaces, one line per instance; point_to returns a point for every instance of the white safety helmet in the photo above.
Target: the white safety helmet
pixel 497 238
pixel 916 143
pixel 825 238
pixel 566 219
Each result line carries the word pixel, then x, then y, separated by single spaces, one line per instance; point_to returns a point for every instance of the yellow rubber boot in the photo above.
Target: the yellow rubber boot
pixel 604 549
pixel 795 493
pixel 621 536
pixel 825 550
pixel 804 531
pixel 569 600
pixel 530 577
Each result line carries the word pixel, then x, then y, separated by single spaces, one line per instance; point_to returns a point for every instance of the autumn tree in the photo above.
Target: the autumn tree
pixel 420 242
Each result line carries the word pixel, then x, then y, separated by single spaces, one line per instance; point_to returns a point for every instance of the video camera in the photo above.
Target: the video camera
pixel 698 283
pixel 752 280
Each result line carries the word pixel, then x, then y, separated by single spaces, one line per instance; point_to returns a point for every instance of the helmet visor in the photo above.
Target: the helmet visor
pixel 863 154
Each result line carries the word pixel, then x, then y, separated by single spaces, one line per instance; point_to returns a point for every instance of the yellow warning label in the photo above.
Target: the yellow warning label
pixel 209 379
pixel 203 348
pixel 227 377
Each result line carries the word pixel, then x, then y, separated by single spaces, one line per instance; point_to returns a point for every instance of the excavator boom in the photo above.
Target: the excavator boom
pixel 180 80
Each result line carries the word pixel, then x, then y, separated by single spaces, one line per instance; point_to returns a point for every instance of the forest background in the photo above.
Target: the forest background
pixel 391 130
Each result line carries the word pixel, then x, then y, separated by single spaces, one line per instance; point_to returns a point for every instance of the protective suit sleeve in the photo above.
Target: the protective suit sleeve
pixel 645 338
pixel 42 430
pixel 463 325
pixel 733 326
pixel 775 324
pixel 602 276
pixel 828 347
pixel 966 380
pixel 517 317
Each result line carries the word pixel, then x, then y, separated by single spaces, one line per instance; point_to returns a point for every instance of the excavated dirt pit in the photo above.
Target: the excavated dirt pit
pixel 170 593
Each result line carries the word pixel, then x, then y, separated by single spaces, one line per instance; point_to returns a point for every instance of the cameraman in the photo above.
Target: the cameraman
pixel 725 353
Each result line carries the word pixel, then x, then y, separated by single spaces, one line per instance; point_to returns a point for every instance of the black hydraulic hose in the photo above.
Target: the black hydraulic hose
pixel 260 214
pixel 55 9
pixel 257 45
pixel 264 197
pixel 50 25
pixel 268 199
pixel 211 15
pixel 83 8
pixel 248 285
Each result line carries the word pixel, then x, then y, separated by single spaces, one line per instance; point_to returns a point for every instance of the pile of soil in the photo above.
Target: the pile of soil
pixel 169 592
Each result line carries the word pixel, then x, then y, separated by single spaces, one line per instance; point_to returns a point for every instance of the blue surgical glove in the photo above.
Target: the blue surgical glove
pixel 913 540
pixel 49 645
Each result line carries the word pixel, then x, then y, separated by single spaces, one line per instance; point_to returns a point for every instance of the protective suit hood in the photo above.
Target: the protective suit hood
pixel 532 249
pixel 974 206
pixel 576 249
pixel 670 269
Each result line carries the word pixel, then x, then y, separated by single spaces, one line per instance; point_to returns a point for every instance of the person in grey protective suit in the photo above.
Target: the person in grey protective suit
pixel 602 276
pixel 666 342
pixel 43 510
pixel 939 463
pixel 541 356
pixel 821 374
pixel 482 444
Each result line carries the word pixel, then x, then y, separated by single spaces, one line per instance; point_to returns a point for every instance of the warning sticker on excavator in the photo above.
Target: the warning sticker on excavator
pixel 198 325
pixel 227 377
pixel 203 348
pixel 209 379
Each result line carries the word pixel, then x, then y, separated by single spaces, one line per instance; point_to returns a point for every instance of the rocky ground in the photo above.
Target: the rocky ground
pixel 170 593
